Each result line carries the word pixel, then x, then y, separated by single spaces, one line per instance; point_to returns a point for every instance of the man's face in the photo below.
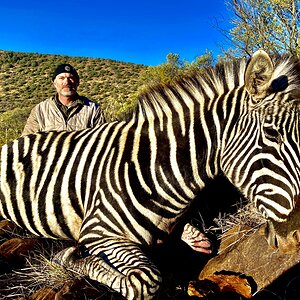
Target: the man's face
pixel 65 84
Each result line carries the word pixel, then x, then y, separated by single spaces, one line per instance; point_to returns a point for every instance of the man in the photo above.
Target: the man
pixel 66 110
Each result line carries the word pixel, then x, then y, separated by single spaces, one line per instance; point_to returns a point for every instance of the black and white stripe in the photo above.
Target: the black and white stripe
pixel 125 184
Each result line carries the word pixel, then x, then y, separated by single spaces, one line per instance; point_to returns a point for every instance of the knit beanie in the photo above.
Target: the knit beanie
pixel 65 68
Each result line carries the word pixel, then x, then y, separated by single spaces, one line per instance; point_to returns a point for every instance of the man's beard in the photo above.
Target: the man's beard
pixel 67 92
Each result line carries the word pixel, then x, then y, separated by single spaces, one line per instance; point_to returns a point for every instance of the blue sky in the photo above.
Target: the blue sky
pixel 142 32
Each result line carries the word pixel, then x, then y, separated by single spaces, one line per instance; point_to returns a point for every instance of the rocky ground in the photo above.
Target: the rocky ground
pixel 245 268
pixel 25 272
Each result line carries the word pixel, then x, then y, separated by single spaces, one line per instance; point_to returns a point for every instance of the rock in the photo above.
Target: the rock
pixel 79 289
pixel 202 288
pixel 223 283
pixel 75 289
pixel 15 249
pixel 43 294
pixel 250 255
pixel 6 227
pixel 232 237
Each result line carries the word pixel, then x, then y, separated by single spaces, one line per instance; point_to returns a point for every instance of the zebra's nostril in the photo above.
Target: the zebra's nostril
pixel 296 236
pixel 276 244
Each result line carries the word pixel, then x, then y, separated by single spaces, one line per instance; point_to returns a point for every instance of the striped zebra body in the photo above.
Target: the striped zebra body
pixel 125 184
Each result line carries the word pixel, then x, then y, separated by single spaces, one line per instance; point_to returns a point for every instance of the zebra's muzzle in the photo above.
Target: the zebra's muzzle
pixel 285 236
pixel 289 244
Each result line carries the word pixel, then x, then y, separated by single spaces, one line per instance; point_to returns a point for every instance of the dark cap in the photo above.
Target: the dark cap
pixel 65 68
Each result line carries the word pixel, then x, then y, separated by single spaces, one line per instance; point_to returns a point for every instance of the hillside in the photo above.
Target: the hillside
pixel 25 79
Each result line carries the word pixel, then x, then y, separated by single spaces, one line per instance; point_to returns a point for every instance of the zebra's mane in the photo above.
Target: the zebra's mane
pixel 199 85
pixel 210 83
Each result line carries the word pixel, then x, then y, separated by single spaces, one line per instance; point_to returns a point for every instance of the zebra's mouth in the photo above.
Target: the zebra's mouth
pixel 285 236
pixel 289 244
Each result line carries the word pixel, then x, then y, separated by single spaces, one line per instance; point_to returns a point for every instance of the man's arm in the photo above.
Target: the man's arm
pixel 99 117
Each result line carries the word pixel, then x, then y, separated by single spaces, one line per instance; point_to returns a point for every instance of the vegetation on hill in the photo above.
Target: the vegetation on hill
pixel 25 80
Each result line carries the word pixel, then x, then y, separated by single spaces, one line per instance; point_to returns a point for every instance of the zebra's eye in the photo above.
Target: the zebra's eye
pixel 272 134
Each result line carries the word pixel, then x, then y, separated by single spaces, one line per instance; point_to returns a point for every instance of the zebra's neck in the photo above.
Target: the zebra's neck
pixel 187 128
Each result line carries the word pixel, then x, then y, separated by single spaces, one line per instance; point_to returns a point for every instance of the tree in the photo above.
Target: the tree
pixel 168 72
pixel 272 25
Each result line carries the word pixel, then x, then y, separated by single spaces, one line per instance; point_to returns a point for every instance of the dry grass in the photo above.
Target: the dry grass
pixel 36 275
pixel 41 272
pixel 44 272
pixel 246 215
pixel 246 220
pixel 37 272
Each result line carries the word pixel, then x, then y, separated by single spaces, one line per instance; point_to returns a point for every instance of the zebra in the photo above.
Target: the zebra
pixel 124 185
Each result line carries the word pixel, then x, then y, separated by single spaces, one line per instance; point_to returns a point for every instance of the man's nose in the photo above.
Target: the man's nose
pixel 67 80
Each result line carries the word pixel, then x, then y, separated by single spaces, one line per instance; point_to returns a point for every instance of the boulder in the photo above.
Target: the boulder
pixel 15 250
pixel 245 255
pixel 41 294
pixel 6 227
pixel 76 289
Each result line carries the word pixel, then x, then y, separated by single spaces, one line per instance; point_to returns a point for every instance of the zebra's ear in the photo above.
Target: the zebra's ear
pixel 258 74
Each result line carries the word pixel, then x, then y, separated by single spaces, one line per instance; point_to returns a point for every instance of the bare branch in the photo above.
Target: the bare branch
pixel 269 24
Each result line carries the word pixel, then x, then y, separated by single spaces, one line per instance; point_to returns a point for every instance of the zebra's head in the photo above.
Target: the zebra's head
pixel 261 152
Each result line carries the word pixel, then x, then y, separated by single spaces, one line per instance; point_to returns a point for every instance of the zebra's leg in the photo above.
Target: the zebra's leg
pixel 197 240
pixel 126 270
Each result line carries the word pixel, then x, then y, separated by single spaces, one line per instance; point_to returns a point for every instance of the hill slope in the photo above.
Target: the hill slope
pixel 25 80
